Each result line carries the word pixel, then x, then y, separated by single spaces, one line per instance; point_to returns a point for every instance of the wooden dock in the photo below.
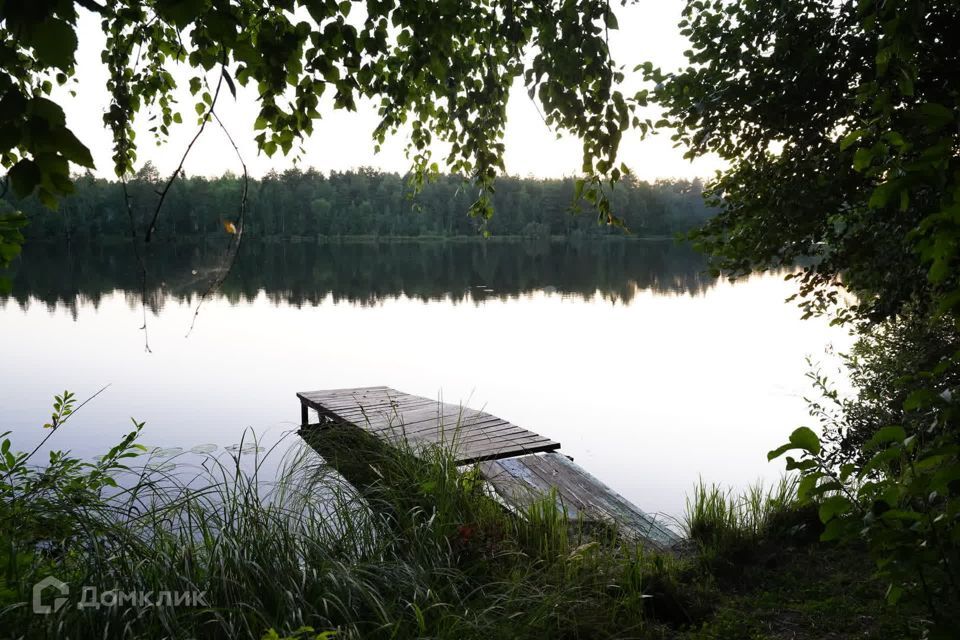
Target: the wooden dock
pixel 519 465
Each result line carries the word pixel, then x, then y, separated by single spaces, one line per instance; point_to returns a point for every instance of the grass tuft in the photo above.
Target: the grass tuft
pixel 726 526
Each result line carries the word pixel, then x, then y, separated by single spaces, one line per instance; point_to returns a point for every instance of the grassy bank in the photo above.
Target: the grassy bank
pixel 414 548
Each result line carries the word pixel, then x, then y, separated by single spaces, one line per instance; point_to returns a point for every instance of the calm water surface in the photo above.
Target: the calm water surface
pixel 650 373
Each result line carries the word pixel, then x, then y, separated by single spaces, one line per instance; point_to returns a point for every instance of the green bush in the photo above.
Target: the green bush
pixel 886 469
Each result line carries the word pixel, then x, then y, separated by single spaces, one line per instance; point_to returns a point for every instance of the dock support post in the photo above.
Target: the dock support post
pixel 304 414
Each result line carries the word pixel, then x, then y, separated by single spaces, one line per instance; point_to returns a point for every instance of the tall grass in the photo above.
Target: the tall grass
pixel 724 523
pixel 412 547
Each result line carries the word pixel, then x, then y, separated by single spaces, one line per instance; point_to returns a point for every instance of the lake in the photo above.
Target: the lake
pixel 649 372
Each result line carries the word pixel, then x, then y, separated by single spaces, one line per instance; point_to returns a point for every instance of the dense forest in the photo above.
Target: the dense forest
pixel 358 203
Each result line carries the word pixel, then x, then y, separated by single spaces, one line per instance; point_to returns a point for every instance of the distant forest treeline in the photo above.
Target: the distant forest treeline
pixel 357 203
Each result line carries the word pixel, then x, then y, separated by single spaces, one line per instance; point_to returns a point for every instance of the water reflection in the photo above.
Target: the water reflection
pixel 361 272
pixel 649 373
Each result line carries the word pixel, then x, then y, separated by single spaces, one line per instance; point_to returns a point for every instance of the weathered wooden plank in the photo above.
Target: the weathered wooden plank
pixel 466 453
pixel 462 432
pixel 421 423
pixel 380 397
pixel 373 416
pixel 445 421
pixel 448 423
pixel 519 485
pixel 508 448
pixel 437 424
pixel 383 401
pixel 569 484
pixel 409 406
pixel 517 437
pixel 330 394
pixel 491 434
pixel 359 407
pixel 522 480
pixel 488 431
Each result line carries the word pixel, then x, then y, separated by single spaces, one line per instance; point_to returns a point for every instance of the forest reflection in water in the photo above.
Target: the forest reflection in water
pixel 306 273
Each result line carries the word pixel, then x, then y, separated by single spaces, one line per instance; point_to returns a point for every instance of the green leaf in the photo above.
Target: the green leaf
pixel 935 116
pixel 879 460
pixel 905 84
pixel 881 195
pixel 181 12
pixel 929 462
pixel 893 594
pixel 862 158
pixel 944 477
pixel 74 150
pixel 779 451
pixel 847 470
pixel 919 399
pixel 806 439
pixel 901 514
pixel 24 177
pixel 806 485
pixel 904 199
pixel 834 530
pixel 851 137
pixel 823 488
pixel 229 81
pixel 832 507
pixel 54 42
pixel 894 138
pixel 802 438
pixel 885 435
pixel 611 19
pixel 802 465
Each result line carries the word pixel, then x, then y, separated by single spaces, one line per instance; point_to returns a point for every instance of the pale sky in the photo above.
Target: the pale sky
pixel 342 140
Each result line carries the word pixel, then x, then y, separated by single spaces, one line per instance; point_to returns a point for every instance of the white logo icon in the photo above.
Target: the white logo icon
pixel 38 590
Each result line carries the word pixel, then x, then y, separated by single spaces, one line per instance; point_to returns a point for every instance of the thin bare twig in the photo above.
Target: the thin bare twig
pixel 176 172
pixel 140 261
pixel 234 248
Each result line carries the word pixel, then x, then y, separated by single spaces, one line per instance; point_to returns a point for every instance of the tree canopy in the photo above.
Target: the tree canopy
pixel 443 69
pixel 840 124
pixel 839 121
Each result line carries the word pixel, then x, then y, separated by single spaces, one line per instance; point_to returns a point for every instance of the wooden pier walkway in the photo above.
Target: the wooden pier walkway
pixel 519 465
